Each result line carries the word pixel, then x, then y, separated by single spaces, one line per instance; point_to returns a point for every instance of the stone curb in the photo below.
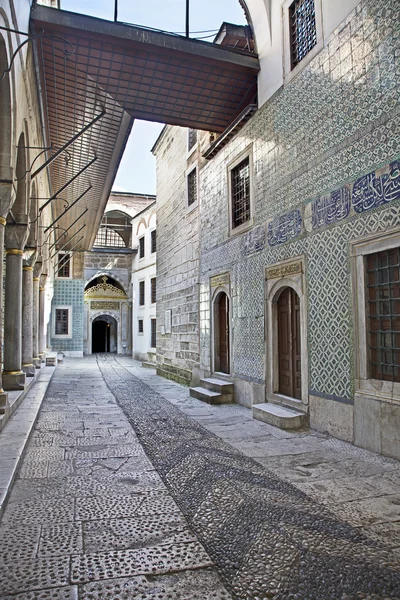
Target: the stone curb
pixel 17 432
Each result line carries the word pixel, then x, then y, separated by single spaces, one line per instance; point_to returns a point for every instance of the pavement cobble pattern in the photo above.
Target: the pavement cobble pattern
pixel 131 489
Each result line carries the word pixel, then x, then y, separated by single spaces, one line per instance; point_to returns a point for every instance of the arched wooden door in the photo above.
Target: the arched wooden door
pixel 289 344
pixel 221 334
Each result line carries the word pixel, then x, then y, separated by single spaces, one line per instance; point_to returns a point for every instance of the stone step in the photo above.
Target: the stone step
pixel 208 396
pixel 148 365
pixel 279 416
pixel 217 385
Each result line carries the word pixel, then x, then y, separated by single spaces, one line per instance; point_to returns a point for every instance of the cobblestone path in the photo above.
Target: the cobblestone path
pixel 267 538
pixel 89 517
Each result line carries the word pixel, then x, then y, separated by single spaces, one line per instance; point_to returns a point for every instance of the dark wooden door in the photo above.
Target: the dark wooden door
pixel 289 344
pixel 223 320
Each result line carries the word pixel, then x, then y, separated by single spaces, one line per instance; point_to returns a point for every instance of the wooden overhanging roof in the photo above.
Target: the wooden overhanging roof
pixel 88 66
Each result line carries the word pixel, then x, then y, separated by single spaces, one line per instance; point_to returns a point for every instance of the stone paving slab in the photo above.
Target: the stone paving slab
pixel 242 495
pixel 17 431
pixel 89 516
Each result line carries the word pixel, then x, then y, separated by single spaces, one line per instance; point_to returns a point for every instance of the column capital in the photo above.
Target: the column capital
pixel 15 236
pixel 43 279
pixel 6 194
pixel 31 260
pixel 37 269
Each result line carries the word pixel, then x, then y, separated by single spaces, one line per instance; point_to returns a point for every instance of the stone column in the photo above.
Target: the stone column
pixel 3 394
pixel 27 318
pixel 15 238
pixel 35 314
pixel 42 333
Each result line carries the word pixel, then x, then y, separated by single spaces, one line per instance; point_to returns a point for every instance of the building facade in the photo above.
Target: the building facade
pixel 298 231
pixel 92 302
pixel 144 285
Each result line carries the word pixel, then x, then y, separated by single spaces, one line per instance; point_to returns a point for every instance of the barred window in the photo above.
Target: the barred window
pixel 383 300
pixel 107 237
pixel 153 241
pixel 153 341
pixel 64 264
pixel 240 193
pixel 303 31
pixel 141 247
pixel 153 289
pixel 192 187
pixel 140 325
pixel 192 138
pixel 62 324
pixel 141 293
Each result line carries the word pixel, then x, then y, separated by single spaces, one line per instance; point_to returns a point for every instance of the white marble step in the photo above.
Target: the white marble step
pixel 217 385
pixel 279 416
pixel 208 396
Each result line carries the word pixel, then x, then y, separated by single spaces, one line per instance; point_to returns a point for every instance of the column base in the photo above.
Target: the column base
pixel 3 401
pixel 37 362
pixel 29 370
pixel 42 356
pixel 14 380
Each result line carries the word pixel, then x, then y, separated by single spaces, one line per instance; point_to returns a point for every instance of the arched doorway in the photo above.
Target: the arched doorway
pixel 289 343
pixel 104 334
pixel 221 334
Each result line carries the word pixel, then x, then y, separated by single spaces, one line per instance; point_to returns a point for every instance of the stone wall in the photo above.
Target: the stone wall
pixel 315 146
pixel 178 262
pixel 118 264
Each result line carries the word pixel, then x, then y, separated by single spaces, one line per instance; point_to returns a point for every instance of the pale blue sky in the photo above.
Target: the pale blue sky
pixel 137 169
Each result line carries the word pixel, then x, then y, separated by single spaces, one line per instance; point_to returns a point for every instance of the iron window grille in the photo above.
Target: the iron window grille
pixel 153 241
pixel 383 299
pixel 140 326
pixel 192 187
pixel 192 138
pixel 153 289
pixel 141 247
pixel 61 321
pixel 240 193
pixel 64 261
pixel 107 237
pixel 303 30
pixel 141 293
pixel 153 341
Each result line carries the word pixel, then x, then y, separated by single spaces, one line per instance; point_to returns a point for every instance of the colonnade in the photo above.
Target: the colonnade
pixel 24 343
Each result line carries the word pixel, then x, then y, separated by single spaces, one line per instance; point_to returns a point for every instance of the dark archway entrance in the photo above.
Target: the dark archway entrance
pixel 221 334
pixel 104 334
pixel 289 344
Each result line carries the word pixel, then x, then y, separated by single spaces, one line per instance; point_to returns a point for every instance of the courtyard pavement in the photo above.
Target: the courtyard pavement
pixel 130 489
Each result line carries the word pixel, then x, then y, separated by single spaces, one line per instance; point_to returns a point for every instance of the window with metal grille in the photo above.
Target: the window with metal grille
pixel 62 321
pixel 383 300
pixel 153 341
pixel 141 293
pixel 153 289
pixel 240 193
pixel 153 241
pixel 303 31
pixel 110 238
pixel 140 325
pixel 64 264
pixel 141 247
pixel 192 187
pixel 192 138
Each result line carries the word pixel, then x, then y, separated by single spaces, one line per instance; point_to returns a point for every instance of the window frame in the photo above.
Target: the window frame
pixel 359 249
pixel 153 298
pixel 247 153
pixel 62 336
pixel 142 283
pixel 153 232
pixel 142 256
pixel 70 266
pixel 189 171
pixel 153 320
pixel 190 151
pixel 288 71
pixel 140 320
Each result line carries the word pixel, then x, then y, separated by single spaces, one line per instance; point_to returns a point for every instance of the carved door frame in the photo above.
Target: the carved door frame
pixel 288 273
